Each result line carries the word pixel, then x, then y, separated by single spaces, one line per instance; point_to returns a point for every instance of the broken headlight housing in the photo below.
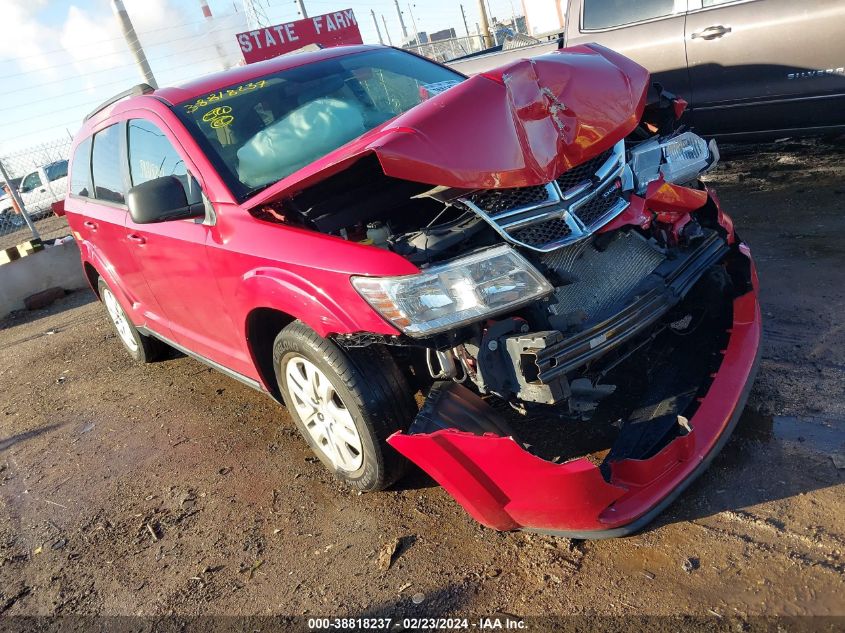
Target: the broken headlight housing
pixel 455 293
pixel 679 159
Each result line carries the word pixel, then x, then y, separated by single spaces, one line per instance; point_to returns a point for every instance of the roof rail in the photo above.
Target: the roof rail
pixel 135 91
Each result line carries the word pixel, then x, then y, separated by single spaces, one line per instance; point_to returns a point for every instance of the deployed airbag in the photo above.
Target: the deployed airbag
pixel 310 131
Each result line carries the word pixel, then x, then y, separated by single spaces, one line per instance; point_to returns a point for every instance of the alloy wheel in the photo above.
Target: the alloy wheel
pixel 323 413
pixel 118 317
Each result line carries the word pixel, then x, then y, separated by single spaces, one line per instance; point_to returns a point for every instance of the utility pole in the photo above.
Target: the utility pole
pixel 302 10
pixel 209 20
pixel 414 22
pixel 401 20
pixel 386 30
pixel 378 30
pixel 485 25
pixel 133 42
pixel 464 16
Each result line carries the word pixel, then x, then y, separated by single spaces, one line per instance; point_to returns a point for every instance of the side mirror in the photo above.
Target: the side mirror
pixel 160 200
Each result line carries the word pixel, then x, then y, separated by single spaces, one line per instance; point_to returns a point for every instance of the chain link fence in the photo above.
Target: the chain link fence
pixel 34 184
pixel 449 49
pixel 446 50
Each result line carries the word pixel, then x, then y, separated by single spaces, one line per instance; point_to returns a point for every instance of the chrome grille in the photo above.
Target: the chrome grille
pixel 546 217
pixel 543 232
pixel 495 201
pixel 594 209
pixel 583 172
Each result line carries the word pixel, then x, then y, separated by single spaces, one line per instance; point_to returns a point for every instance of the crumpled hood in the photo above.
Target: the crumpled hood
pixel 519 125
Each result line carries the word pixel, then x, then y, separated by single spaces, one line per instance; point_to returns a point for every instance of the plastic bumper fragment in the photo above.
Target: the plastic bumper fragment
pixel 505 487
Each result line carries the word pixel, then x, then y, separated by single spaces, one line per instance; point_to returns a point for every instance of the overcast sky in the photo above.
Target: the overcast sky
pixel 60 59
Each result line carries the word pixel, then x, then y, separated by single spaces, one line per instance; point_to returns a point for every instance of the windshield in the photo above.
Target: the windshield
pixel 259 132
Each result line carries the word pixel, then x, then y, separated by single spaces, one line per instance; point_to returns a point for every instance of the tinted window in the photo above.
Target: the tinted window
pixel 261 131
pixel 603 14
pixel 80 179
pixel 56 170
pixel 152 156
pixel 106 166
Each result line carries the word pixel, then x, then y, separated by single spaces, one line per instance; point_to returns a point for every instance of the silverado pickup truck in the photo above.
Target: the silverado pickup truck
pixel 749 69
pixel 515 280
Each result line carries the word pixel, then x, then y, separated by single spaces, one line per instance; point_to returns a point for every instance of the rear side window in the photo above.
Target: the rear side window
pixel 80 178
pixel 152 156
pixel 605 14
pixel 106 166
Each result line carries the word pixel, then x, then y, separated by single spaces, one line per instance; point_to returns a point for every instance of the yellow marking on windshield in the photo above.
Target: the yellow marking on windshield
pixel 224 94
pixel 219 117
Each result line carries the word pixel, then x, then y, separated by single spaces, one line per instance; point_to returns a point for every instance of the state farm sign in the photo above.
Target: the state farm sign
pixel 331 29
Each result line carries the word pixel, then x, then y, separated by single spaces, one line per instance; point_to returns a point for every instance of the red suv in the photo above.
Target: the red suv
pixel 515 280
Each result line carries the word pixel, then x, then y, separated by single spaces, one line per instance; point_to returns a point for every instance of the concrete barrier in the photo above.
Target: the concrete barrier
pixel 55 266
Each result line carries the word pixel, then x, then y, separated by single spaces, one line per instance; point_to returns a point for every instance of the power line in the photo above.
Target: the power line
pixel 110 69
pixel 99 85
pixel 109 39
pixel 83 103
pixel 76 121
pixel 76 61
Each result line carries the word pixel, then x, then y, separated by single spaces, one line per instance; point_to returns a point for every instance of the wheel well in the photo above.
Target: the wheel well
pixel 262 327
pixel 93 276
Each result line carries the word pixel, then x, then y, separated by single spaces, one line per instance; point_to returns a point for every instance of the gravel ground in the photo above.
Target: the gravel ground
pixel 49 228
pixel 171 489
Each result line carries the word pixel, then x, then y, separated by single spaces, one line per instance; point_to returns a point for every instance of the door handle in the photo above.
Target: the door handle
pixel 711 32
pixel 138 239
pixel 90 225
pixel 43 190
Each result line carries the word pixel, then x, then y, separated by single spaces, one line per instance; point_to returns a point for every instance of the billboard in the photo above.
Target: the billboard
pixel 330 29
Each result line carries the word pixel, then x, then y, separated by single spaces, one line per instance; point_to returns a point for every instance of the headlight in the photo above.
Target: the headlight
pixel 455 293
pixel 680 159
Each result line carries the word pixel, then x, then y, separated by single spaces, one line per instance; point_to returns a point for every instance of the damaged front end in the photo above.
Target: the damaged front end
pixel 586 327
pixel 629 376
pixel 636 364
pixel 649 392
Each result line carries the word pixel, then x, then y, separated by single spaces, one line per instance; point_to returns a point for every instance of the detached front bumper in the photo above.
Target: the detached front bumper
pixel 505 487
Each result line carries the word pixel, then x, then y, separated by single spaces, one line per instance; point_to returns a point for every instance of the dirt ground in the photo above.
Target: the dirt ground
pixel 171 489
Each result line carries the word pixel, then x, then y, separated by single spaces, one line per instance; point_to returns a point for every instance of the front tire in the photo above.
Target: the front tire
pixel 346 403
pixel 142 348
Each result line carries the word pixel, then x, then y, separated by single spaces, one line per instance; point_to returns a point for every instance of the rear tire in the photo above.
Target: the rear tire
pixel 346 403
pixel 141 348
